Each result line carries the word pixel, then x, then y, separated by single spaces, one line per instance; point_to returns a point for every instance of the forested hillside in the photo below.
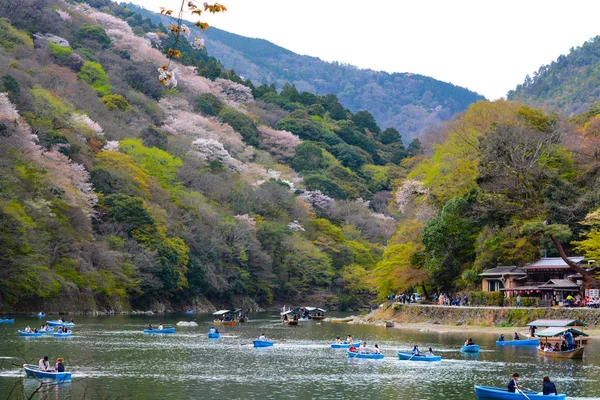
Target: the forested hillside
pixel 570 85
pixel 118 191
pixel 410 103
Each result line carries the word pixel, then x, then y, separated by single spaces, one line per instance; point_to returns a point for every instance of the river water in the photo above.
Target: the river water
pixel 111 358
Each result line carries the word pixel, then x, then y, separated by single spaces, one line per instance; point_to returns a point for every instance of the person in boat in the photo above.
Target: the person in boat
pixel 376 349
pixel 61 320
pixel 416 351
pixel 349 339
pixel 212 330
pixel 429 353
pixel 338 340
pixel 564 347
pixel 352 348
pixel 532 329
pixel 548 387
pixel 513 384
pixel 469 342
pixel 43 364
pixel 516 337
pixel 28 329
pixel 35 330
pixel 160 326
pixel 364 349
pixel 285 318
pixel 295 317
pixel 59 366
pixel 72 321
pixel 569 339
pixel 501 337
pixel 64 329
pixel 262 337
pixel 150 327
pixel 548 348
pixel 541 346
pixel 556 347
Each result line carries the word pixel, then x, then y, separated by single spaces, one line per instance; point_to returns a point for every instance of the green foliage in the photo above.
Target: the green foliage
pixel 93 74
pixel 60 52
pixel 326 186
pixel 308 157
pixel 155 161
pixel 50 109
pixel 241 123
pixel 11 38
pixel 487 299
pixel 208 103
pixel 155 137
pixel 115 102
pixel 10 85
pixel 92 36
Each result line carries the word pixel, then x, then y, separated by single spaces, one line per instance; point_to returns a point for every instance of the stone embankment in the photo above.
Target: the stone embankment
pixel 474 316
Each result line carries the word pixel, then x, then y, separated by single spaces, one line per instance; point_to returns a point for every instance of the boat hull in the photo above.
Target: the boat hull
pixel 61 334
pixel 29 334
pixel 214 335
pixel 48 332
pixel 189 312
pixel 572 354
pixel 470 349
pixel 345 345
pixel 34 371
pixel 56 323
pixel 262 343
pixel 166 330
pixel 525 342
pixel 7 321
pixel 352 354
pixel 342 320
pixel 224 323
pixel 488 392
pixel 291 323
pixel 402 355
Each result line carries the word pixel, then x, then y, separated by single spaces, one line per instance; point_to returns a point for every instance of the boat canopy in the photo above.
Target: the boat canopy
pixel 311 309
pixel 223 312
pixel 288 312
pixel 556 322
pixel 559 331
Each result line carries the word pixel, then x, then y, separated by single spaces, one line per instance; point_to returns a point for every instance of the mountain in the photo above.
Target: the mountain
pixel 570 85
pixel 409 102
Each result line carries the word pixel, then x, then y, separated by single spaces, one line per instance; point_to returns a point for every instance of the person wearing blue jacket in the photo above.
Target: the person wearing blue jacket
pixel 513 384
pixel 549 388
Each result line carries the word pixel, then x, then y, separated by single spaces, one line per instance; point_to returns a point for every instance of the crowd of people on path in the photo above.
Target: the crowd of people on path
pixel 403 298
pixel 445 300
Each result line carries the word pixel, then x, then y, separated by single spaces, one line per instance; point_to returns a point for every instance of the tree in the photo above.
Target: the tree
pixel 364 120
pixel 389 136
pixel 155 137
pixel 308 157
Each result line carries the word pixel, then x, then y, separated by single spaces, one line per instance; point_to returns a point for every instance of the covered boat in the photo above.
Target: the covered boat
pixel 290 317
pixel 60 323
pixel 165 330
pixel 312 313
pixel 263 343
pixel 407 355
pixel 488 392
pixel 345 345
pixel 560 323
pixel 371 356
pixel 63 334
pixel 29 334
pixel 557 334
pixel 7 320
pixel 226 317
pixel 474 348
pixel 214 335
pixel 524 342
pixel 34 370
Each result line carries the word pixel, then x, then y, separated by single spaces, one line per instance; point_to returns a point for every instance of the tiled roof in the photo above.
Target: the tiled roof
pixel 552 262
pixel 505 270
pixel 560 283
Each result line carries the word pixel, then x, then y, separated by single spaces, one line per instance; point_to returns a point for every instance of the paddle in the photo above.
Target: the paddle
pixel 523 393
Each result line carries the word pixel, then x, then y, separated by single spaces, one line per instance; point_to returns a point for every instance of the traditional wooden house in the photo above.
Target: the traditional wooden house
pixel 550 279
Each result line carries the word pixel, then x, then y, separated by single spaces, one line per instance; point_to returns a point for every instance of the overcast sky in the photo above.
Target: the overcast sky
pixel 485 46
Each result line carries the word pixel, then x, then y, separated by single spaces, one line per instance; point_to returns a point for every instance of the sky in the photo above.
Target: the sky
pixel 488 46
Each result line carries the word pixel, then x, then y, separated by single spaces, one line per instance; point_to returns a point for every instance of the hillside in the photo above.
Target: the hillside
pixel 410 103
pixel 570 85
pixel 117 191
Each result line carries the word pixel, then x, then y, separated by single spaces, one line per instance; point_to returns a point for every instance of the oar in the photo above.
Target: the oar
pixel 523 393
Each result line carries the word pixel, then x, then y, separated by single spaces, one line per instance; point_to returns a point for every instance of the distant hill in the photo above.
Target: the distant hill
pixel 408 102
pixel 569 85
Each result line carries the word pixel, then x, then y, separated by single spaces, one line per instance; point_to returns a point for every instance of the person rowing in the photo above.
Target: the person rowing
pixel 212 330
pixel 28 329
pixel 150 327
pixel 43 364
pixel 569 339
pixel 160 326
pixel 501 337
pixel 262 337
pixel 516 337
pixel 415 350
pixel 364 349
pixel 349 339
pixel 469 342
pixel 513 384
pixel 338 340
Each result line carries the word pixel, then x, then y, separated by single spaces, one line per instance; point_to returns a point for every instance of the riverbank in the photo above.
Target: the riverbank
pixel 446 319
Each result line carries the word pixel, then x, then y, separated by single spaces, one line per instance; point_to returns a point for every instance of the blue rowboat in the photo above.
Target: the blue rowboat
pixel 7 321
pixel 165 330
pixel 262 343
pixel 189 312
pixel 488 392
pixel 526 342
pixel 44 332
pixel 406 355
pixel 345 345
pixel 61 334
pixel 214 335
pixel 58 323
pixel 370 356
pixel 34 370
pixel 41 315
pixel 474 348
pixel 29 334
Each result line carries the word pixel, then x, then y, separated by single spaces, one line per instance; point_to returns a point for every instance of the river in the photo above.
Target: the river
pixel 111 358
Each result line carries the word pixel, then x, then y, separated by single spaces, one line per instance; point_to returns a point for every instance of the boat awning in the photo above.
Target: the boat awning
pixel 287 312
pixel 222 312
pixel 557 322
pixel 559 331
pixel 311 309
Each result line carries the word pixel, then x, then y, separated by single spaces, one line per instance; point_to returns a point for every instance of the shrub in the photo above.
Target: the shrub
pixel 208 104
pixel 60 52
pixel 11 37
pixel 94 74
pixel 11 86
pixel 241 123
pixel 115 102
pixel 326 186
pixel 92 36
pixel 490 299
pixel 308 157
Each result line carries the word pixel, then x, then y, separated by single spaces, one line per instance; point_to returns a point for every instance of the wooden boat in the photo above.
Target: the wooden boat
pixel 345 345
pixel 63 334
pixel 29 334
pixel 59 323
pixel 214 335
pixel 342 320
pixel 370 356
pixel 575 326
pixel 226 317
pixel 46 332
pixel 524 342
pixel 224 323
pixel 573 354
pixel 474 348
pixel 290 322
pixel 318 317
pixel 7 321
pixel 263 343
pixel 165 330
pixel 488 392
pixel 405 355
pixel 34 371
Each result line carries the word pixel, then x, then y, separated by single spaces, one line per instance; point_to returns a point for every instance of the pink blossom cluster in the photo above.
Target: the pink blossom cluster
pixel 247 219
pixel 281 144
pixel 7 109
pixel 316 199
pixel 295 226
pixel 84 120
pixel 111 145
pixel 65 16
pixel 232 92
